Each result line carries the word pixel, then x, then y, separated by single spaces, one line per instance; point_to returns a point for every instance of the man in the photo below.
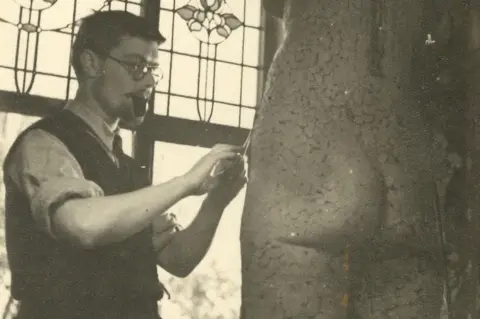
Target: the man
pixel 85 229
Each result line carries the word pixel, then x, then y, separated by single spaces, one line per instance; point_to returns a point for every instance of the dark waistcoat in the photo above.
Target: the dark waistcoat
pixel 115 281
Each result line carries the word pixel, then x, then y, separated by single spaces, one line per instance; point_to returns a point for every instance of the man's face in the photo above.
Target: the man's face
pixel 128 81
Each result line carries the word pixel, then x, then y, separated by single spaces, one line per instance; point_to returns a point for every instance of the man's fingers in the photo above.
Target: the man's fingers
pixel 225 161
pixel 238 184
pixel 235 179
pixel 227 155
pixel 235 169
pixel 162 239
pixel 227 148
pixel 164 222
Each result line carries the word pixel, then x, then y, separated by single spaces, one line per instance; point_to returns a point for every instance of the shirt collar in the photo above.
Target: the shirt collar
pixel 105 132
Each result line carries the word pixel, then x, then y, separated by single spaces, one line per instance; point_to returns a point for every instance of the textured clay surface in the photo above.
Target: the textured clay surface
pixel 340 170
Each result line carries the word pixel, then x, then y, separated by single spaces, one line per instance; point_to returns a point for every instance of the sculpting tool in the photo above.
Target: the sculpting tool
pixel 246 144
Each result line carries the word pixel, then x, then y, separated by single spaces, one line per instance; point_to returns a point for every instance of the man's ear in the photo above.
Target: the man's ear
pixel 92 64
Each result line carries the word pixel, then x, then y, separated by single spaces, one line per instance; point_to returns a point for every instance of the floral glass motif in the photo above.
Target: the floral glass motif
pixel 211 21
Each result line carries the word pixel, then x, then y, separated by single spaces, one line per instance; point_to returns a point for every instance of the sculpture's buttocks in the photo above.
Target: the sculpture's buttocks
pixel 324 188
pixel 339 155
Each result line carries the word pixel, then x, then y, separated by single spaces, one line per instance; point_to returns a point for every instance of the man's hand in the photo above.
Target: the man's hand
pixel 199 177
pixel 231 181
pixel 164 228
pixel 188 247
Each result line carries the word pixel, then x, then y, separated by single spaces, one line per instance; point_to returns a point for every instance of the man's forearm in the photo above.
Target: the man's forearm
pixel 188 246
pixel 96 221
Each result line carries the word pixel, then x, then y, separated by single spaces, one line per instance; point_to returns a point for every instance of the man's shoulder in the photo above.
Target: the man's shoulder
pixel 36 137
pixel 30 143
pixel 33 133
pixel 39 134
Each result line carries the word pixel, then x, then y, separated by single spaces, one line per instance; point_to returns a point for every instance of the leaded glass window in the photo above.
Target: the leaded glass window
pixel 213 65
pixel 36 37
pixel 214 58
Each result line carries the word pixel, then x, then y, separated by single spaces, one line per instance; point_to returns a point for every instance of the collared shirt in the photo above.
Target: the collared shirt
pixel 106 132
pixel 48 174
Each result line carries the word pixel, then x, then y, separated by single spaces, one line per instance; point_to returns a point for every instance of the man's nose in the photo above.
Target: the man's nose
pixel 151 80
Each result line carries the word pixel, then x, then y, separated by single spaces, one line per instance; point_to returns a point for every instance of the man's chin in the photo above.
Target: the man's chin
pixel 132 123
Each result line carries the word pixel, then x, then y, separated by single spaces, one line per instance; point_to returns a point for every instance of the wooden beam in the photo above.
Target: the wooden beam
pixel 188 132
pixel 26 104
pixel 155 128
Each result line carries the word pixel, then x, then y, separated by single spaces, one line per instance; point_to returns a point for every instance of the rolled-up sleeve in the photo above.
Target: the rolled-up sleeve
pixel 47 173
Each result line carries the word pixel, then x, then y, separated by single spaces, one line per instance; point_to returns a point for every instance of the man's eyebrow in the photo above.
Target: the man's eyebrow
pixel 140 57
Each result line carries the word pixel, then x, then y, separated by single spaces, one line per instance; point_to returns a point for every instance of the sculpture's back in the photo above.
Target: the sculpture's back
pixel 340 172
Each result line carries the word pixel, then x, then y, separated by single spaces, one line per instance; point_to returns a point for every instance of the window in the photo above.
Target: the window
pixel 28 64
pixel 213 68
pixel 213 59
pixel 213 75
pixel 28 31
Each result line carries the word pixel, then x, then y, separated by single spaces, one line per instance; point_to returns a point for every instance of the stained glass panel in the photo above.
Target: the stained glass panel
pixel 135 8
pixel 37 36
pixel 214 53
pixel 170 4
pixel 166 27
pixel 225 114
pixel 54 61
pixel 227 91
pixel 7 78
pixel 254 17
pixel 247 117
pixel 8 34
pixel 248 11
pixel 233 51
pixel 184 75
pixel 183 41
pixel 161 103
pixel 164 84
pixel 182 107
pixel 249 84
pixel 205 78
pixel 252 39
pixel 49 85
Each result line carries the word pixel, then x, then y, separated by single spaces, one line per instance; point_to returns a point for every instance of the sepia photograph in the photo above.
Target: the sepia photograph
pixel 239 159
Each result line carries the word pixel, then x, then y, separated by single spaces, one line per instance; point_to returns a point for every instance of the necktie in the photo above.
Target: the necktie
pixel 117 146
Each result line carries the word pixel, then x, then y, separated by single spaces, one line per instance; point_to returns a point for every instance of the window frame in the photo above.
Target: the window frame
pixel 161 127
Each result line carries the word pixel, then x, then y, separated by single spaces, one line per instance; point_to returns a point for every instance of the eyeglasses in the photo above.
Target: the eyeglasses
pixel 138 70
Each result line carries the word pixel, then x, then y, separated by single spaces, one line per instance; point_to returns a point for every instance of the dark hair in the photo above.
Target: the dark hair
pixel 103 30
